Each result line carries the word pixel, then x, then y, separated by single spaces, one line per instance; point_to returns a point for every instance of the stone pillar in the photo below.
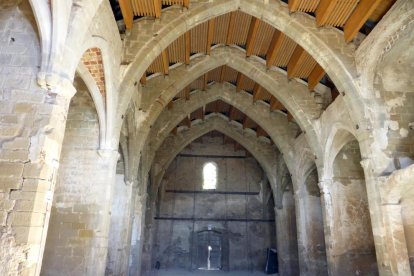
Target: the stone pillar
pixel 287 246
pixel 137 233
pixel 311 243
pixel 33 125
pixel 77 241
pixel 327 213
pixel 118 252
pixel 397 244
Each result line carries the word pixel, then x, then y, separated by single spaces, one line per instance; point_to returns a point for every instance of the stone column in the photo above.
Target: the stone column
pixel 287 246
pixel 137 232
pixel 77 240
pixel 328 222
pixel 118 252
pixel 33 126
pixel 311 245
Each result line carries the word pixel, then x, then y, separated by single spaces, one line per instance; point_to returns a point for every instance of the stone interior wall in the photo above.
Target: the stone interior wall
pixel 247 241
pixel 354 251
pixel 395 84
pixel 77 236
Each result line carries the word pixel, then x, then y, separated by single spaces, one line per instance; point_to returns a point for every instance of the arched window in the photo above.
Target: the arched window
pixel 210 176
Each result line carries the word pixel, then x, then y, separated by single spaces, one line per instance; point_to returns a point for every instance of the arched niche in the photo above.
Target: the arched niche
pixel 353 249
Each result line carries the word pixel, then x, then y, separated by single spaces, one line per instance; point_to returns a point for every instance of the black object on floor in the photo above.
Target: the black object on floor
pixel 272 266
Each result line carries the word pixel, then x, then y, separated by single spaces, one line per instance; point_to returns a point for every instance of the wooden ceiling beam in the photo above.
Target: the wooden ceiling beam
pixel 293 5
pixel 275 104
pixel 251 36
pixel 257 89
pixel 315 77
pixel 127 14
pixel 210 34
pixel 165 61
pixel 324 10
pixel 157 8
pixel 274 48
pixel 187 47
pixel 295 61
pixel 239 80
pixel 186 3
pixel 358 18
pixel 203 112
pixel 230 30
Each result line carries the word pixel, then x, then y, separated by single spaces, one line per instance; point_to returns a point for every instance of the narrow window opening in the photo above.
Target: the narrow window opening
pixel 210 176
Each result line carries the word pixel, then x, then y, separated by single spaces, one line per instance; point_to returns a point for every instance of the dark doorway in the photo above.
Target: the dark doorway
pixel 209 249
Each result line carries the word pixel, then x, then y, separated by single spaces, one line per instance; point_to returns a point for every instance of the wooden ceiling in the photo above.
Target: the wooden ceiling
pixel 223 108
pixel 225 139
pixel 351 15
pixel 241 82
pixel 255 36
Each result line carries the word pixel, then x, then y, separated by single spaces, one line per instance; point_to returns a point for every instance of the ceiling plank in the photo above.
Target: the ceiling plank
pixel 274 48
pixel 203 113
pixel 358 18
pixel 260 132
pixel 324 10
pixel 295 61
pixel 188 121
pixel 257 89
pixel 187 47
pixel 187 93
pixel 205 81
pixel 251 36
pixel 230 30
pixel 222 73
pixel 210 34
pixel 232 113
pixel 275 104
pixel 143 79
pixel 157 8
pixel 290 117
pixel 293 5
pixel 239 79
pixel 165 61
pixel 245 122
pixel 315 77
pixel 170 105
pixel 127 14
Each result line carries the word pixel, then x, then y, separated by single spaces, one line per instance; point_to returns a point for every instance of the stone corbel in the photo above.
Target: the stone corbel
pixel 56 84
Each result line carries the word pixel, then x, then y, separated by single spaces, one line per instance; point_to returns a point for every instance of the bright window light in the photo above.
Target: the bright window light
pixel 210 176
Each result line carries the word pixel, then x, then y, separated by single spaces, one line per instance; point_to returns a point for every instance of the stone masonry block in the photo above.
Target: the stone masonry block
pixel 26 219
pixel 36 185
pixel 31 235
pixel 37 170
pixel 9 169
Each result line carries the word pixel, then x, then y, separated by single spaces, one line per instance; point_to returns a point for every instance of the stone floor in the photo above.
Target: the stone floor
pixel 206 273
